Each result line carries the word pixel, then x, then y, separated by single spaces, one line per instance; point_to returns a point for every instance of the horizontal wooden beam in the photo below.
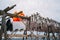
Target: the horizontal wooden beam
pixel 9 8
pixel 13 15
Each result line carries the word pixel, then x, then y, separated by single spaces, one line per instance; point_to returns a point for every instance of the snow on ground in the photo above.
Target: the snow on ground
pixel 28 33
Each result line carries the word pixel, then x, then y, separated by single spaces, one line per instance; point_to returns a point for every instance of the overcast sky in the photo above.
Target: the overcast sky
pixel 47 8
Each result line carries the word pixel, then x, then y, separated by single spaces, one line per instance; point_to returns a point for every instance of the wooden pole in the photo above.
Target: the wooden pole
pixel 0 34
pixel 48 34
pixel 31 19
pixel 4 26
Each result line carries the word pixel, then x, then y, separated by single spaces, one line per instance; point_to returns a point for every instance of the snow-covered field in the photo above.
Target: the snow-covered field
pixel 28 33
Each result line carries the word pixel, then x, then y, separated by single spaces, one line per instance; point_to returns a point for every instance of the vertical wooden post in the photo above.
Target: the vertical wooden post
pixel 48 34
pixel 25 31
pixel 30 20
pixel 0 34
pixel 4 26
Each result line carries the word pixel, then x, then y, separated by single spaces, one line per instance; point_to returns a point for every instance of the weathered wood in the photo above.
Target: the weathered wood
pixel 0 34
pixel 8 8
pixel 4 26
